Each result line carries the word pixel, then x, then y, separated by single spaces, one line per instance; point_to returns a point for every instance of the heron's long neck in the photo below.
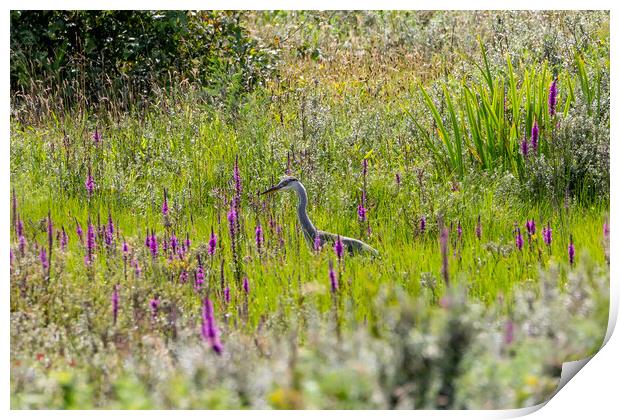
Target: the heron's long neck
pixel 302 212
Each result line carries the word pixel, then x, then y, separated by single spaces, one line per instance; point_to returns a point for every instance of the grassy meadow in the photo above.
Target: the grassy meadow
pixel 148 272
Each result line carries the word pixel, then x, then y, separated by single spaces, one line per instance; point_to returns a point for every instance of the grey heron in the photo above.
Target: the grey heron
pixel 353 246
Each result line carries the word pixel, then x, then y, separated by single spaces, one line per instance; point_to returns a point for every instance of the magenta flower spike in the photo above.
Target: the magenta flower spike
pixel 519 240
pixel 174 243
pixel 339 248
pixel 535 137
pixel 22 244
pixel 19 228
pixel 80 232
pixel 317 243
pixel 333 280
pixel 125 249
pixel 232 219
pixel 90 243
pixel 115 301
pixel 361 212
pixel 200 276
pixel 154 304
pixel 398 180
pixel 524 148
pixel 183 277
pixel 479 229
pixel 553 97
pixel 64 239
pixel 547 234
pixel 187 243
pixel 153 245
pixel 96 137
pixel 259 237
pixel 227 294
pixel 43 258
pixel 89 184
pixel 209 329
pixel 212 243
pixel 246 285
pixel 164 205
pixel 422 224
pixel 571 251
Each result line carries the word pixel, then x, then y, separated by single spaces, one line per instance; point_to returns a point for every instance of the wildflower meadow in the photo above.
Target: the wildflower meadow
pixel 148 270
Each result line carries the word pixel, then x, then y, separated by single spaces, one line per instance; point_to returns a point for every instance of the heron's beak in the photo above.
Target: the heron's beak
pixel 270 190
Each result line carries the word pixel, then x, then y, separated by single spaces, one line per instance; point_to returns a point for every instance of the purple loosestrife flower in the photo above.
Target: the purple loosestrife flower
pixel 553 97
pixel 259 237
pixel 136 267
pixel 80 232
pixel 519 240
pixel 606 230
pixel 232 219
pixel 530 226
pixel 200 276
pixel 339 248
pixel 479 229
pixel 164 205
pixel 535 137
pixel 333 280
pixel 43 258
pixel 524 148
pixel 153 245
pixel 125 249
pixel 90 243
pixel 154 304
pixel 115 301
pixel 317 242
pixel 64 239
pixel 398 180
pixel 571 251
pixel 187 243
pixel 147 240
pixel 547 234
pixel 212 243
pixel 19 227
pixel 183 277
pixel 174 243
pixel 443 241
pixel 22 244
pixel 89 184
pixel 246 285
pixel 96 137
pixel 227 294
pixel 422 224
pixel 361 212
pixel 209 331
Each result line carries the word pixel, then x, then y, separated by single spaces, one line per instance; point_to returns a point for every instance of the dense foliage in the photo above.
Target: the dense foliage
pixel 121 56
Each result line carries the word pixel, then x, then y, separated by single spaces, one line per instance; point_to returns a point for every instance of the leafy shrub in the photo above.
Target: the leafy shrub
pixel 121 56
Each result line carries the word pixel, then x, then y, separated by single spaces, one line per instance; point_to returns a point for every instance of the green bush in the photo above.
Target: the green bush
pixel 122 56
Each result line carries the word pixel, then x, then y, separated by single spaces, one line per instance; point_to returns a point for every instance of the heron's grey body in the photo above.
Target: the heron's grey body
pixel 353 246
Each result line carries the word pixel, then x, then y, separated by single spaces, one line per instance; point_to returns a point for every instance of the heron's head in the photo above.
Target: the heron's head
pixel 285 184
